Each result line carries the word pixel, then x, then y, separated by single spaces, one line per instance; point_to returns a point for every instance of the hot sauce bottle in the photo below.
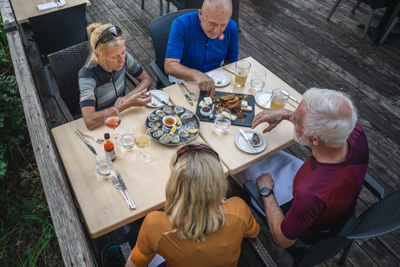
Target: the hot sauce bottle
pixel 109 146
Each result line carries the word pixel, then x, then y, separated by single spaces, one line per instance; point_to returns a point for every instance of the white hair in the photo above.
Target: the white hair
pixel 331 115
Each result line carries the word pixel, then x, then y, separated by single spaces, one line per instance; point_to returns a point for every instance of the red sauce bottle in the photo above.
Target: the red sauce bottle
pixel 109 147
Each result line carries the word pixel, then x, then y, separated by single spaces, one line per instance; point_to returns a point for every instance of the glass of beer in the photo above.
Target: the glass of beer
pixel 242 68
pixel 279 99
pixel 143 140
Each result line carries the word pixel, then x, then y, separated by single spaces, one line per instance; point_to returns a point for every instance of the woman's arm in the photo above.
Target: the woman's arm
pixel 95 118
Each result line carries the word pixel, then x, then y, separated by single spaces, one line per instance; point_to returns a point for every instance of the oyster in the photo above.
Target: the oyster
pixel 155 124
pixel 184 133
pixel 167 109
pixel 153 117
pixel 178 110
pixel 187 116
pixel 158 133
pixel 153 129
pixel 165 139
pixel 175 138
pixel 160 113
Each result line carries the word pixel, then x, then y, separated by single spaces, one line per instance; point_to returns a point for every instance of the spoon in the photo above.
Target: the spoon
pixel 255 140
pixel 212 112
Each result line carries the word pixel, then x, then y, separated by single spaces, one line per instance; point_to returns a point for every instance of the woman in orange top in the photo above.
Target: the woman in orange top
pixel 199 226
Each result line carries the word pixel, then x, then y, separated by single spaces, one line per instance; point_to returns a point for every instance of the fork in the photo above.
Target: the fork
pixel 118 186
pixel 97 140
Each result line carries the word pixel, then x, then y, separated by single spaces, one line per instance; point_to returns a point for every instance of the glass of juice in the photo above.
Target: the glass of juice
pixel 242 68
pixel 279 99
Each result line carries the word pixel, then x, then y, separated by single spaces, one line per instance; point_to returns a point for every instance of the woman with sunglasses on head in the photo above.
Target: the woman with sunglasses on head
pixel 199 226
pixel 102 79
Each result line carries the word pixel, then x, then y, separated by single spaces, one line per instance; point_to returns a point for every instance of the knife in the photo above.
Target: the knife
pixel 186 95
pixel 247 140
pixel 159 99
pixel 229 70
pixel 86 141
pixel 121 182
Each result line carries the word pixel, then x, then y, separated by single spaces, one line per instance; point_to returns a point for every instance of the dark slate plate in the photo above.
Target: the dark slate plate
pixel 246 121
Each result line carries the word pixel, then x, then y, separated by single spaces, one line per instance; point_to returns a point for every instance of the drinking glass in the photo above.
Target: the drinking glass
pixel 279 99
pixel 112 119
pixel 104 165
pixel 222 120
pixel 258 79
pixel 242 68
pixel 127 136
pixel 143 140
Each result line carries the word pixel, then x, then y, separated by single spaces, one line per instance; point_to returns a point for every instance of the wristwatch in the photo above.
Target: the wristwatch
pixel 266 192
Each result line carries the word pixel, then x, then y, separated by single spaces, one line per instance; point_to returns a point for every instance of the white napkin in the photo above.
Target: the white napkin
pixel 283 167
pixel 51 5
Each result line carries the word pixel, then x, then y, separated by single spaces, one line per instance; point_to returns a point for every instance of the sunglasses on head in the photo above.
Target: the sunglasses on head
pixel 108 34
pixel 192 147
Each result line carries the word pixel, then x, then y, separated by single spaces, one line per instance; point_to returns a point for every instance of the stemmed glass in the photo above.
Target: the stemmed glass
pixel 112 120
pixel 143 140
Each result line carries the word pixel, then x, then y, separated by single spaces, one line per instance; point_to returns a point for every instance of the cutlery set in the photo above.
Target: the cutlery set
pixel 117 182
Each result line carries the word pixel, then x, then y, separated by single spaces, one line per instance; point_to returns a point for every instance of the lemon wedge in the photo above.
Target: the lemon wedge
pixel 173 130
pixel 178 121
pixel 192 130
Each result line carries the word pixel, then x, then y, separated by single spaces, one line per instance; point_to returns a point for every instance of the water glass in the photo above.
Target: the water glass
pixel 242 68
pixel 104 165
pixel 258 79
pixel 127 136
pixel 222 120
pixel 279 99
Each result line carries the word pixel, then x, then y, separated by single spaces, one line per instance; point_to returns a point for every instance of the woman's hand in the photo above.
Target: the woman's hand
pixel 140 99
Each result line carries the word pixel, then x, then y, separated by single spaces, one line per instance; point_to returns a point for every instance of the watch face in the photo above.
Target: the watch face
pixel 266 192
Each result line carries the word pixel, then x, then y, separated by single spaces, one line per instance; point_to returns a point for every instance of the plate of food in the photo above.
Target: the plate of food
pixel 244 146
pixel 161 95
pixel 172 125
pixel 240 105
pixel 220 78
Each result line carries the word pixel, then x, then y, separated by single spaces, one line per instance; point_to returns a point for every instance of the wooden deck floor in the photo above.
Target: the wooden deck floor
pixel 295 41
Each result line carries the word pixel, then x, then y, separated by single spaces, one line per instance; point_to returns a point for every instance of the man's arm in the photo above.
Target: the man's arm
pixel 173 67
pixel 273 212
pixel 273 117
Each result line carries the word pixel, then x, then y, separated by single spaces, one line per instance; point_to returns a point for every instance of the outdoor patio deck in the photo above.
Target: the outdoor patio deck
pixel 295 41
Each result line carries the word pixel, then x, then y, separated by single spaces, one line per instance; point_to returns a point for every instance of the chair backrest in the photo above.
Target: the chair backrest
pixel 66 64
pixel 159 30
pixel 59 29
pixel 381 218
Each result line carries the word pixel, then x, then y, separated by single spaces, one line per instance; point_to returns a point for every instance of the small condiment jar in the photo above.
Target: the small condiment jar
pixel 205 111
pixel 109 147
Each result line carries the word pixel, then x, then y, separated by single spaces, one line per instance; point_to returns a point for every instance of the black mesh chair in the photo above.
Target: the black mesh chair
pixel 159 30
pixel 58 30
pixel 66 64
pixel 390 28
pixel 374 4
pixel 381 218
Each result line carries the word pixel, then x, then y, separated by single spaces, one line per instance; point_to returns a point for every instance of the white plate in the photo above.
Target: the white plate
pixel 262 98
pixel 243 145
pixel 220 78
pixel 162 95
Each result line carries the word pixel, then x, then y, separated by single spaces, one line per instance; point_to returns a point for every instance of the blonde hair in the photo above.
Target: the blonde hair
pixel 194 194
pixel 94 30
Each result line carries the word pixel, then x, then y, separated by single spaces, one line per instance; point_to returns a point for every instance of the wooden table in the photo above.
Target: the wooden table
pixel 102 206
pixel 24 10
pixel 224 143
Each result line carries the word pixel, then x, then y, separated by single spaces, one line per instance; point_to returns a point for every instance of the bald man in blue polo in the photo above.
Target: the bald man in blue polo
pixel 202 41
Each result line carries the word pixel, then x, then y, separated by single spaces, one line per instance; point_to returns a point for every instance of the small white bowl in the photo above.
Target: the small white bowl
pixel 205 111
pixel 169 125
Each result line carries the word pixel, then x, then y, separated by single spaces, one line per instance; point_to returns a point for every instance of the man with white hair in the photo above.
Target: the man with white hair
pixel 201 41
pixel 327 185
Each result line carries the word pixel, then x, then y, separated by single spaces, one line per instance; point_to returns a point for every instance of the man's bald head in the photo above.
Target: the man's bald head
pixel 214 16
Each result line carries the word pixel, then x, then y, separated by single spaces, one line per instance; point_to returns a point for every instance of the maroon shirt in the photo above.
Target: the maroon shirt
pixel 323 194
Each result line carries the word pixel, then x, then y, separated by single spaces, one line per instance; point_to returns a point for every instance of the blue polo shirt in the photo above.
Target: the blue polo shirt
pixel 188 43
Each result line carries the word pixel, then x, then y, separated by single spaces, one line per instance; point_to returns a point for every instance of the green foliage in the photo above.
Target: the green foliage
pixel 12 122
pixel 5 58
